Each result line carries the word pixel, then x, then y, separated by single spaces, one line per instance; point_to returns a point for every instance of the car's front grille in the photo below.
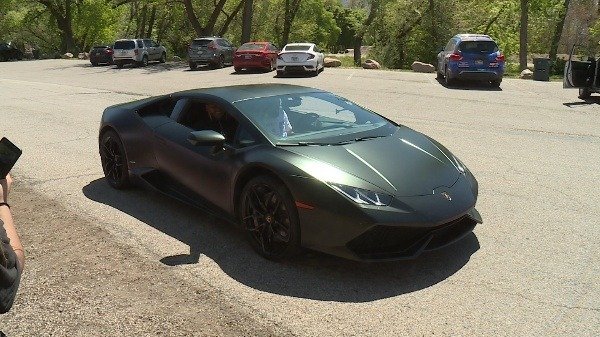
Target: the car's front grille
pixel 384 241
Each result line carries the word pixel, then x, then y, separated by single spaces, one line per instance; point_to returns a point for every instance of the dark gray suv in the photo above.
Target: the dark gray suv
pixel 213 51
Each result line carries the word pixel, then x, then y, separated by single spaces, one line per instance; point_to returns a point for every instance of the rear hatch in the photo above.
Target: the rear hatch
pixel 479 55
pixel 125 48
pixel 200 47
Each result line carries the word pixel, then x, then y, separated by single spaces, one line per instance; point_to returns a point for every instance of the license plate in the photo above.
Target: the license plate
pixel 478 62
pixel 294 58
pixel 247 57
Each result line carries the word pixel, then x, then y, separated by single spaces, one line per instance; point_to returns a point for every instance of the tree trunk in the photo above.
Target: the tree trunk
pixel 558 31
pixel 291 8
pixel 209 29
pixel 247 21
pixel 433 33
pixel 64 24
pixel 358 37
pixel 230 18
pixel 151 22
pixel 142 26
pixel 192 18
pixel 523 35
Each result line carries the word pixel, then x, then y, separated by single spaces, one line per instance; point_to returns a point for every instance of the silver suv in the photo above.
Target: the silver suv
pixel 138 51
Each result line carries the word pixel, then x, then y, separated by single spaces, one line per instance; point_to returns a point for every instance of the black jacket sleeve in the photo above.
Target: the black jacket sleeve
pixel 10 276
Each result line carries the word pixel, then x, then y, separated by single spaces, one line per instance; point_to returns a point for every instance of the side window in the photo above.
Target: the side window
pixel 449 46
pixel 140 44
pixel 244 138
pixel 203 115
pixel 148 43
pixel 221 43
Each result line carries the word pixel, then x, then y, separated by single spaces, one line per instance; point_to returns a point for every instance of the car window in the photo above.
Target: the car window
pixel 297 48
pixel 449 46
pixel 140 44
pixel 244 137
pixel 125 44
pixel 222 43
pixel 313 117
pixel 478 47
pixel 251 46
pixel 201 42
pixel 204 115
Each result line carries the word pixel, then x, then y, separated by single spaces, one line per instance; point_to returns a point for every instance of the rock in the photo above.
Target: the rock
pixel 83 56
pixel 331 62
pixel 526 74
pixel 371 64
pixel 67 56
pixel 176 58
pixel 421 67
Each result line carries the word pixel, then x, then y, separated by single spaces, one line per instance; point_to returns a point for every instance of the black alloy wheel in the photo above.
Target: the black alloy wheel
pixel 114 160
pixel 269 216
pixel 585 93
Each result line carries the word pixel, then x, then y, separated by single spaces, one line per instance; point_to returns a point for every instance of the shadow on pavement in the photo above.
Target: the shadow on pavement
pixel 587 101
pixel 474 85
pixel 313 276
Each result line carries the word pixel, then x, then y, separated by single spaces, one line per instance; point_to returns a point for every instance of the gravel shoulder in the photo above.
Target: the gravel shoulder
pixel 80 281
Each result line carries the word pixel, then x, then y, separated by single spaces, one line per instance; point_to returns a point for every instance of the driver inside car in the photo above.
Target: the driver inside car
pixel 275 120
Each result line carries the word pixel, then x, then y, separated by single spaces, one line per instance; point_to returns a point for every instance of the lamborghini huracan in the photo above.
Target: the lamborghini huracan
pixel 296 168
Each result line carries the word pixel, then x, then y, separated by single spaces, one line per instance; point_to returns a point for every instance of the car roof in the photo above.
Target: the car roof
pixel 238 93
pixel 300 44
pixel 473 37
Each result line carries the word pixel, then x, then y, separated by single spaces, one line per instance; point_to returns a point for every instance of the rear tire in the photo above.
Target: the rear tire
pixel 585 93
pixel 94 64
pixel 237 70
pixel 114 160
pixel 449 81
pixel 119 64
pixel 280 73
pixel 496 83
pixel 269 216
pixel 193 65
pixel 163 58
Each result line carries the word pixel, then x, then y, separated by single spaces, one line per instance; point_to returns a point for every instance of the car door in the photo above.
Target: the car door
pixel 150 49
pixel 202 169
pixel 580 71
pixel 230 50
pixel 443 59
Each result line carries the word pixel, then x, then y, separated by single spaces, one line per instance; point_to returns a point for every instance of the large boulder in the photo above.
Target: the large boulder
pixel 67 56
pixel 331 62
pixel 421 67
pixel 371 64
pixel 526 74
pixel 83 56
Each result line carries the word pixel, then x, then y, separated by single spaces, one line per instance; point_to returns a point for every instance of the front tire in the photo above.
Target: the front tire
pixel 496 83
pixel 119 64
pixel 268 215
pixel 114 160
pixel 193 65
pixel 585 93
pixel 144 62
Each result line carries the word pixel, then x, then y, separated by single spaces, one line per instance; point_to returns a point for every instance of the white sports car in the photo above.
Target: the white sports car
pixel 300 57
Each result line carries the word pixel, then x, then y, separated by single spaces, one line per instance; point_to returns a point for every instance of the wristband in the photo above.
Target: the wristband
pixel 5 204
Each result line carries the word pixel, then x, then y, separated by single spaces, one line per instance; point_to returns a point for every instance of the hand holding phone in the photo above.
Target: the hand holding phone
pixel 9 154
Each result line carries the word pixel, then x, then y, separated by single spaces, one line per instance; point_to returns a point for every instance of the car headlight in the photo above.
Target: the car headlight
pixel 361 196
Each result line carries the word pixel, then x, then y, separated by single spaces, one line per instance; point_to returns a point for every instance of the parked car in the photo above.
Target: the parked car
pixel 294 167
pixel 471 57
pixel 255 55
pixel 300 58
pixel 101 54
pixel 210 50
pixel 138 51
pixel 9 52
pixel 582 73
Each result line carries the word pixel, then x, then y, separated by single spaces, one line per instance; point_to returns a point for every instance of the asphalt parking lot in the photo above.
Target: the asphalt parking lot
pixel 531 269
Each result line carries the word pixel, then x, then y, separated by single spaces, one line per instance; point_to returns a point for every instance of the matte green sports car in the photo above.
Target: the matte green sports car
pixel 295 167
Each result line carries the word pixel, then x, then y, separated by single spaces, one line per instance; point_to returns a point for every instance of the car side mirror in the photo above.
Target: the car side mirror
pixel 206 137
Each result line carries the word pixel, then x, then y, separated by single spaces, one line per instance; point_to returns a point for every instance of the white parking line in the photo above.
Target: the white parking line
pixel 350 77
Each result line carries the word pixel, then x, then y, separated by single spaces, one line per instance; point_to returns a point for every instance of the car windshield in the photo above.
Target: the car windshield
pixel 294 48
pixel 314 119
pixel 201 42
pixel 478 47
pixel 124 45
pixel 251 46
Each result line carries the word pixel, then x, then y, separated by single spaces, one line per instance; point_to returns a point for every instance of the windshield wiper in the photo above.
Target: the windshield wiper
pixel 360 139
pixel 303 144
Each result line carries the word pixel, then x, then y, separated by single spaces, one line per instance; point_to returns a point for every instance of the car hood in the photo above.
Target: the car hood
pixel 406 163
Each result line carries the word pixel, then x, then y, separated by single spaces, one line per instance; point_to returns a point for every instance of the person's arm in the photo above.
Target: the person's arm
pixel 9 225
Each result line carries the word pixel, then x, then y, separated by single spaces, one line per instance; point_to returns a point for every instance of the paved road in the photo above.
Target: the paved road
pixel 531 268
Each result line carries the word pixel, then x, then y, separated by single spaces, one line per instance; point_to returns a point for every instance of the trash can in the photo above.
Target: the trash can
pixel 541 69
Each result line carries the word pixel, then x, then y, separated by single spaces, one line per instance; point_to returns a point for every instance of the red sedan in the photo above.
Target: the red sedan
pixel 252 55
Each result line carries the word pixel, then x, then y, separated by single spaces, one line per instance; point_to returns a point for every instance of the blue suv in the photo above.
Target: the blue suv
pixel 471 57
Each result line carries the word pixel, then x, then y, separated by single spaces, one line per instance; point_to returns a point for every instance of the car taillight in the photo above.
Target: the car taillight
pixel 310 57
pixel 136 51
pixel 500 58
pixel 212 46
pixel 455 57
pixel 109 51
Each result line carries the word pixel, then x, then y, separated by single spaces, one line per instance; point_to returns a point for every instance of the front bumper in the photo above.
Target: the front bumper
pixel 403 230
